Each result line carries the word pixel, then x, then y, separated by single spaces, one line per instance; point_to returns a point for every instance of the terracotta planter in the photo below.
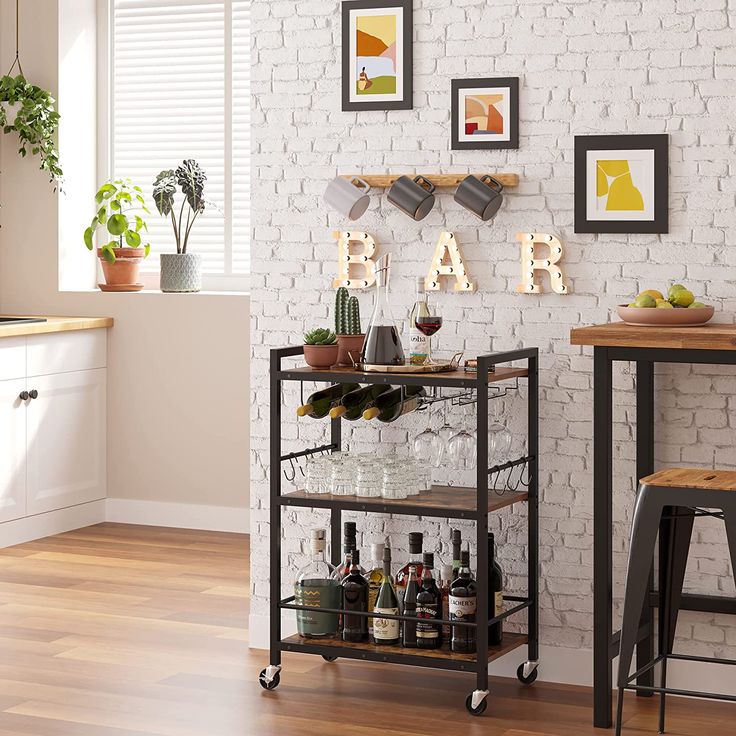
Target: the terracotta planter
pixel 320 356
pixel 125 270
pixel 349 345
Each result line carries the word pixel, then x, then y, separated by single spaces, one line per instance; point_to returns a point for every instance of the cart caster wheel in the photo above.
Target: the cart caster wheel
pixel 269 683
pixel 525 676
pixel 328 659
pixel 479 709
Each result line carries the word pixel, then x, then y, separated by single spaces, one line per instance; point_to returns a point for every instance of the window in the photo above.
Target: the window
pixel 180 88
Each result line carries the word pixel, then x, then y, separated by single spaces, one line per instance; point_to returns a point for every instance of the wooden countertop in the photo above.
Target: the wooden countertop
pixel 52 324
pixel 617 334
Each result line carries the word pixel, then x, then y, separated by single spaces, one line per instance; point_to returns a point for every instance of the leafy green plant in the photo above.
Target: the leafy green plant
pixel 320 336
pixel 190 178
pixel 36 121
pixel 119 202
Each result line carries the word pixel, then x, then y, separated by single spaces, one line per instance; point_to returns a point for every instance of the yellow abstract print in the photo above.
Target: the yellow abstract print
pixel 615 183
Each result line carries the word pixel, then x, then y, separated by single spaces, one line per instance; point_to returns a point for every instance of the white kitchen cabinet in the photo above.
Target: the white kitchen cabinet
pixel 13 443
pixel 53 427
pixel 66 440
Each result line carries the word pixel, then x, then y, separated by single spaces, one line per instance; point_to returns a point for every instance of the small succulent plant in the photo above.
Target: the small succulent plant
pixel 347 313
pixel 320 336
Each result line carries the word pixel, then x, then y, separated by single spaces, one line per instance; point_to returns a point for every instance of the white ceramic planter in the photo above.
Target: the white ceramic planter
pixel 181 272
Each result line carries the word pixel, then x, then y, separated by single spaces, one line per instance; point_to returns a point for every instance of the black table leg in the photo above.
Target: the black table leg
pixel 602 535
pixel 644 467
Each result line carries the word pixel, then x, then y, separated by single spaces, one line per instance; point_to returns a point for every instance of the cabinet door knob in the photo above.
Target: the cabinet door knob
pixel 33 393
pixel 24 396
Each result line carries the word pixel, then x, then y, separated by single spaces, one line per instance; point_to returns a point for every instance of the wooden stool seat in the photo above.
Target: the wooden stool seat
pixel 700 478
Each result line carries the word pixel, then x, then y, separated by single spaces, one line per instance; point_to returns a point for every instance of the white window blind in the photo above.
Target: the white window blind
pixel 181 89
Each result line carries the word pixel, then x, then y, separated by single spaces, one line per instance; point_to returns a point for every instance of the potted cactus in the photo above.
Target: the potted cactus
pixel 347 328
pixel 320 348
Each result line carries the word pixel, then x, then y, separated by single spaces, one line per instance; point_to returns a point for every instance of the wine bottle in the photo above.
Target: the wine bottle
pixel 355 598
pixel 418 342
pixel 315 587
pixel 375 580
pixel 415 560
pixel 456 547
pixel 409 628
pixel 319 403
pixel 353 404
pixel 495 594
pixel 390 406
pixel 429 607
pixel 446 578
pixel 463 606
pixel 387 631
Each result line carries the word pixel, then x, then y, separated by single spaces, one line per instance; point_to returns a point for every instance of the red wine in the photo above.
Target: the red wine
pixel 428 325
pixel 382 346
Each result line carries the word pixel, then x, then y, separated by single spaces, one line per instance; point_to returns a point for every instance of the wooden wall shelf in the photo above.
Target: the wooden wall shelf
pixel 439 180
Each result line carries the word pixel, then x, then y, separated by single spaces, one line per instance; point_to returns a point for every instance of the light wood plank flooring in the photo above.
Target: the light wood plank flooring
pixel 121 631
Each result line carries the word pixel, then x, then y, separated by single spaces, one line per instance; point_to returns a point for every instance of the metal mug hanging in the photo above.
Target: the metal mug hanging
pixel 414 197
pixel 482 197
pixel 348 197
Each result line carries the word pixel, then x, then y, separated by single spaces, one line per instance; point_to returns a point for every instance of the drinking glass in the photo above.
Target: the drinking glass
pixel 445 433
pixel 343 475
pixel 428 325
pixel 499 438
pixel 318 467
pixel 395 480
pixel 428 446
pixel 462 447
pixel 369 479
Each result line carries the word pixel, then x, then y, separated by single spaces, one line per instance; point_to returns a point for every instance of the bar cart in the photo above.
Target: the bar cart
pixel 444 502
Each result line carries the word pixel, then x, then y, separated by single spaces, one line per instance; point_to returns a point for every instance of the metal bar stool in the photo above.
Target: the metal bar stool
pixel 668 502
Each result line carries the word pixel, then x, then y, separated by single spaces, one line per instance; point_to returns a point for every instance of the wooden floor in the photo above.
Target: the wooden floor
pixel 120 631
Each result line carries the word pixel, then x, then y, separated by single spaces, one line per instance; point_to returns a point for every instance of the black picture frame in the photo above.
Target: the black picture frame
pixel 659 143
pixel 407 101
pixel 513 84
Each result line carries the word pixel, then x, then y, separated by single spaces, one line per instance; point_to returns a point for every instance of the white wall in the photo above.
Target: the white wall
pixel 585 67
pixel 178 427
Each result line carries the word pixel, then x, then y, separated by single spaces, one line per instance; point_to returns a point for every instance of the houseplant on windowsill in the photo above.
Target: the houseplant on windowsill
pixel 181 272
pixel 118 202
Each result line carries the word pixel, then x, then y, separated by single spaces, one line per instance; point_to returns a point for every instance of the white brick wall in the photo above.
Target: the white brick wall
pixel 586 67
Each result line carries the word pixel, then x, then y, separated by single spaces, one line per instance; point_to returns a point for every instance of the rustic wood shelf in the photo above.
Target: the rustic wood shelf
pixel 439 180
pixel 443 501
pixel 619 334
pixel 368 650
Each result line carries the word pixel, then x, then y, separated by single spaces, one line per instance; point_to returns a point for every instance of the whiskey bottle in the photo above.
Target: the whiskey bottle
pixel 456 546
pixel 446 578
pixel 429 607
pixel 315 587
pixel 348 546
pixel 415 559
pixel 495 594
pixel 355 598
pixel 463 606
pixel 387 631
pixel 375 580
pixel 409 628
pixel 393 404
pixel 319 403
pixel 353 404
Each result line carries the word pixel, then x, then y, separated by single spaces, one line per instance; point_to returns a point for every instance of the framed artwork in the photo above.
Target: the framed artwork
pixel 377 62
pixel 485 113
pixel 622 183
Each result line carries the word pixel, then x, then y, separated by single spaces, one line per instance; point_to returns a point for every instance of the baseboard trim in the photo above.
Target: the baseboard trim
pixel 179 515
pixel 38 526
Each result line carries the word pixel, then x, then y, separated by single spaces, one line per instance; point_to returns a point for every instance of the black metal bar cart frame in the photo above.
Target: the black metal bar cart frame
pixel 471 504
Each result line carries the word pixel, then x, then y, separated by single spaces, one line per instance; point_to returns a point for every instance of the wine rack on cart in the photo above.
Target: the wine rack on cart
pixel 441 501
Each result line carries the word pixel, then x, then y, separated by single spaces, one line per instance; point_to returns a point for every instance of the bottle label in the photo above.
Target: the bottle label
pixel 386 628
pixel 498 600
pixel 418 347
pixel 462 608
pixel 425 629
pixel 319 594
pixel 373 590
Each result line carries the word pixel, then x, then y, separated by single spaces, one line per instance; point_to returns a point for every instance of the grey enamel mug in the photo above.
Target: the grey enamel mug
pixel 414 197
pixel 481 196
pixel 349 199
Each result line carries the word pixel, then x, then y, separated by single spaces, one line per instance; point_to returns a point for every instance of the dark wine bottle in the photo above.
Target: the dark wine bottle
pixel 463 602
pixel 353 404
pixel 319 403
pixel 390 406
pixel 355 598
pixel 429 607
pixel 456 546
pixel 409 628
pixel 415 560
pixel 495 594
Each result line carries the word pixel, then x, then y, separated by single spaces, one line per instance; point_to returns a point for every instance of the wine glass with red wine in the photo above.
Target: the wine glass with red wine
pixel 428 325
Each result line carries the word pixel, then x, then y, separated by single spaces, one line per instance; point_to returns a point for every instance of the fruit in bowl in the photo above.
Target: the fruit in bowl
pixel 679 308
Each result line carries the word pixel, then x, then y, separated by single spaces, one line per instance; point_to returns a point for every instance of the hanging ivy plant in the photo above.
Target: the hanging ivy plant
pixel 36 121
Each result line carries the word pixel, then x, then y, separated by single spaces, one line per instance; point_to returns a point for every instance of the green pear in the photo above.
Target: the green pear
pixel 682 298
pixel 697 305
pixel 673 290
pixel 645 301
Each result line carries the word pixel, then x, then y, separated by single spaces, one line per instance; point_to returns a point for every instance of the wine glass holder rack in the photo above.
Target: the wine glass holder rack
pixel 499 486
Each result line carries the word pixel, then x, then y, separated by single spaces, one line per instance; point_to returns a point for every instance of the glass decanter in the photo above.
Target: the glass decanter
pixel 382 344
